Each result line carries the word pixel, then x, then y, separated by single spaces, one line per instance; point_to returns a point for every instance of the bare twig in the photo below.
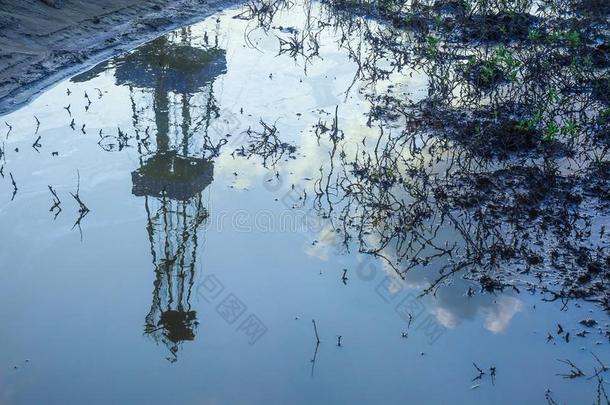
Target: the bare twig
pixel 575 372
pixel 14 186
pixel 56 202
pixel 604 368
pixel 315 329
pixel 313 359
pixel 481 372
pixel 83 208
pixel 549 398
pixel 601 391
pixel 37 144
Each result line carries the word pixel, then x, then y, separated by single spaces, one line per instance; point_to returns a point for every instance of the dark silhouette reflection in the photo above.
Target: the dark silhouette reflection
pixel 497 170
pixel 174 220
pixel 171 93
pixel 169 174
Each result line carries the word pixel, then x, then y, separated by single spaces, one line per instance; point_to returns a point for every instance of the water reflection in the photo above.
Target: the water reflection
pixel 173 80
pixel 397 191
pixel 415 196
pixel 174 220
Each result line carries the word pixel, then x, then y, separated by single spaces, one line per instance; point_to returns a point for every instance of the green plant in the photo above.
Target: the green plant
pixel 530 123
pixel 573 38
pixel 432 44
pixel 534 35
pixel 503 60
pixel 570 129
pixel 551 131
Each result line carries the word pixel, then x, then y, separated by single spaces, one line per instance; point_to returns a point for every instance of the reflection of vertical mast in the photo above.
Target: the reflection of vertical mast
pixel 173 233
pixel 172 178
pixel 186 123
pixel 176 179
pixel 161 107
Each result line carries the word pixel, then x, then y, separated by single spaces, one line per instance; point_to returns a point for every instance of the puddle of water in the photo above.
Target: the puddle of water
pixel 196 274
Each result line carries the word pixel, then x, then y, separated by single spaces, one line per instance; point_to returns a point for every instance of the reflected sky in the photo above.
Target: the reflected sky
pixel 196 275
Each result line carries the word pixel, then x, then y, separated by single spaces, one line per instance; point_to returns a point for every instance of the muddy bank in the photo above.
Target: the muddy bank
pixel 44 41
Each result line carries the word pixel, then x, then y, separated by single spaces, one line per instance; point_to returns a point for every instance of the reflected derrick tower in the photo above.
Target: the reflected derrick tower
pixel 171 91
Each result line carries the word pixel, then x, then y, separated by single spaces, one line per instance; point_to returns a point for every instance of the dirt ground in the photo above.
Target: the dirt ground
pixel 42 41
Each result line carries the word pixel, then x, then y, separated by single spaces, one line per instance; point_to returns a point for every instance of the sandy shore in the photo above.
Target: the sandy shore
pixel 43 41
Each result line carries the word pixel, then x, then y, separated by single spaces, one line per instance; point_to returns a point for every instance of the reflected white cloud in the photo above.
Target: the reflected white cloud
pixel 501 313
